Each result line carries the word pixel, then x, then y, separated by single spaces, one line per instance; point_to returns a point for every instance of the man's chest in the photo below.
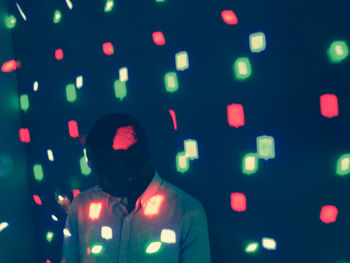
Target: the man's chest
pixel 122 237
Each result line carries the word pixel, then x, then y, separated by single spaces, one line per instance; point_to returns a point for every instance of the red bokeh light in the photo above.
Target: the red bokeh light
pixel 329 105
pixel 158 38
pixel 238 202
pixel 235 115
pixel 173 116
pixel 328 214
pixel 76 192
pixel 59 54
pixel 229 17
pixel 37 200
pixel 73 129
pixel 108 48
pixel 24 135
pixel 10 66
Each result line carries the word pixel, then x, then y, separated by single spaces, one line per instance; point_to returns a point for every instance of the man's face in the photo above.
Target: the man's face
pixel 118 170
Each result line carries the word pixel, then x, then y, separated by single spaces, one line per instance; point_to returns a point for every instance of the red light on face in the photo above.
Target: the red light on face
pixel 108 48
pixel 10 66
pixel 329 105
pixel 235 115
pixel 158 38
pixel 48 261
pixel 95 210
pixel 328 214
pixel 229 17
pixel 73 129
pixel 238 202
pixel 37 200
pixel 153 206
pixel 59 54
pixel 24 135
pixel 76 192
pixel 124 138
pixel 173 116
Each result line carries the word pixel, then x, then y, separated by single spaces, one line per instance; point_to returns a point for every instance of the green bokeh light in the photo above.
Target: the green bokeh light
pixel 265 147
pixel 84 168
pixel 171 82
pixel 109 6
pixel 242 68
pixel 24 102
pixel 57 16
pixel 182 162
pixel 38 172
pixel 251 247
pixel 338 51
pixel 10 21
pixel 250 163
pixel 71 93
pixel 257 42
pixel 343 165
pixel 120 89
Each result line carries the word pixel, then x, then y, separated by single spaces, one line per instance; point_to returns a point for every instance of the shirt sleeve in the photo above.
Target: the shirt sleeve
pixel 194 246
pixel 71 248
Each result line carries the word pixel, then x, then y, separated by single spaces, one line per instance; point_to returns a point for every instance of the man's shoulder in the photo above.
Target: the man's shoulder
pixel 183 198
pixel 87 195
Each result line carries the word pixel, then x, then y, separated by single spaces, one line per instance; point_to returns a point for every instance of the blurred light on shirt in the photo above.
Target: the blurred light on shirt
pixel 95 210
pixel 153 247
pixel 124 138
pixel 153 205
pixel 168 236
pixel 106 232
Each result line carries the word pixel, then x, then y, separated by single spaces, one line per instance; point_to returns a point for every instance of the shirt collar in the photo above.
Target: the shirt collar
pixel 151 189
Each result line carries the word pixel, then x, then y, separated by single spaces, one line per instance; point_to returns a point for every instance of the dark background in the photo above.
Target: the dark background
pixel 280 99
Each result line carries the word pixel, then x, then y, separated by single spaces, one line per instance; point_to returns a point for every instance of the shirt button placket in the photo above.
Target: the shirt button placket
pixel 125 236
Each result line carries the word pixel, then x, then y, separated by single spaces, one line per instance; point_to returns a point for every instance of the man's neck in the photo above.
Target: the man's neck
pixel 139 187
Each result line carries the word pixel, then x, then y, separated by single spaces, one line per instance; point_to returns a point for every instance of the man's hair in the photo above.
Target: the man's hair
pixel 103 132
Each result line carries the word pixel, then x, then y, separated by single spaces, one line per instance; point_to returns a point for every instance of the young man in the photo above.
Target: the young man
pixel 133 215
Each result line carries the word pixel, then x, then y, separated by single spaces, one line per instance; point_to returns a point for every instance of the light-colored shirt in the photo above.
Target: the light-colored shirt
pixel 167 225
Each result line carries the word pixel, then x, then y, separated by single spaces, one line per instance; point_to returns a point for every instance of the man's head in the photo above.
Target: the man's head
pixel 117 150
